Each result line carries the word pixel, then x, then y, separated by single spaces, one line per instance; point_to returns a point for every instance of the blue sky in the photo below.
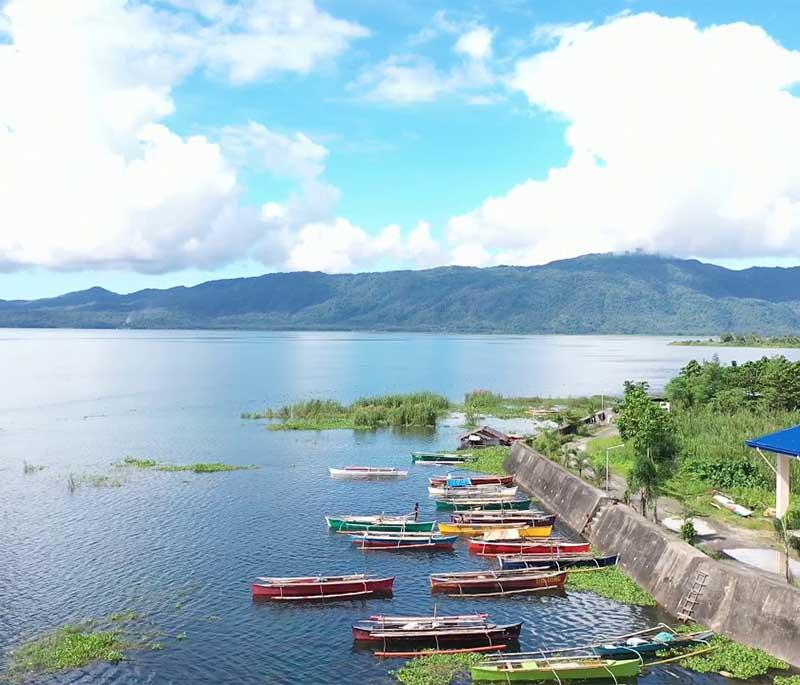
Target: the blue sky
pixel 345 151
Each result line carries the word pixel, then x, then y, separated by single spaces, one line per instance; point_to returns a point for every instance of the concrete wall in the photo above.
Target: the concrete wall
pixel 749 606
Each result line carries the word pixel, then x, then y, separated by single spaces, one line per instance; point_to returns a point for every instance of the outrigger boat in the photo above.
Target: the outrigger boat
pixel 563 562
pixel 439 481
pixel 558 669
pixel 368 472
pixel 435 631
pixel 486 546
pixel 322 587
pixel 529 517
pixel 381 522
pixel 648 642
pixel 442 458
pixel 472 491
pixel 482 503
pixel 490 583
pixel 475 529
pixel 403 541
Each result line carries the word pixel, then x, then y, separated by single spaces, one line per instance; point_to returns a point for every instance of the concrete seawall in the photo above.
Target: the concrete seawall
pixel 747 605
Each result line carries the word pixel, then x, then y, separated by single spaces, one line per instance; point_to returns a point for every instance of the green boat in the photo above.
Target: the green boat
pixel 447 458
pixel 557 669
pixel 379 523
pixel 482 504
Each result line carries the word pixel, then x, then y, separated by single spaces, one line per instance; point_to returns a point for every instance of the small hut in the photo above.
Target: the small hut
pixel 485 436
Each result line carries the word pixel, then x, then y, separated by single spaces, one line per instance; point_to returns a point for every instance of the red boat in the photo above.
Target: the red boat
pixel 497 582
pixel 440 481
pixel 436 631
pixel 322 587
pixel 552 546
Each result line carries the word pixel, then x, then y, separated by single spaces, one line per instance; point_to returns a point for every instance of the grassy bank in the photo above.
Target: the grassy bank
pixel 436 669
pixel 734 340
pixel 198 467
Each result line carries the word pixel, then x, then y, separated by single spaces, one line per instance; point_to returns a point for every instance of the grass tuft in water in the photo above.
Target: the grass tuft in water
pixel 199 467
pixel 27 468
pixel 139 463
pixel 436 669
pixel 612 583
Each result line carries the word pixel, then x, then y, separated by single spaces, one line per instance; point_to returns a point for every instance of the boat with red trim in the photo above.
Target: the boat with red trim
pixel 368 472
pixel 487 583
pixel 322 587
pixel 552 546
pixel 452 481
pixel 564 562
pixel 435 631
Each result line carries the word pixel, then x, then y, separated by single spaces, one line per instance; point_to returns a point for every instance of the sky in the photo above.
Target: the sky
pixel 154 143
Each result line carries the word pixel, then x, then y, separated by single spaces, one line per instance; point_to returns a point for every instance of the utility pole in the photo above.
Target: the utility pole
pixel 608 449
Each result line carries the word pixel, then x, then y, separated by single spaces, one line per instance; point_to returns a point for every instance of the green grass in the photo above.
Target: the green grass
pixel 67 648
pixel 490 460
pixel 729 656
pixel 612 583
pixel 199 467
pixel 319 424
pixel 436 669
pixel 620 460
pixel 787 680
pixel 487 403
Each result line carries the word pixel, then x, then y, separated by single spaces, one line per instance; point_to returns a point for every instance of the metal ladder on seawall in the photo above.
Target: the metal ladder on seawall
pixel 688 603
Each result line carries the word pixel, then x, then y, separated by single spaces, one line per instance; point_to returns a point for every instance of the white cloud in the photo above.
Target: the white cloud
pixel 90 176
pixel 476 43
pixel 684 140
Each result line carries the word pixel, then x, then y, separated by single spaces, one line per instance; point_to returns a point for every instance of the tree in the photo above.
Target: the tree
pixel 649 429
pixel 788 541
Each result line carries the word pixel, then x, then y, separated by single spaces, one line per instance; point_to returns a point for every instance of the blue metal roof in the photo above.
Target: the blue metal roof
pixel 783 442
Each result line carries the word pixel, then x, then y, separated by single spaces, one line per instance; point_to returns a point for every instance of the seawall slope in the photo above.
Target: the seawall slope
pixel 745 604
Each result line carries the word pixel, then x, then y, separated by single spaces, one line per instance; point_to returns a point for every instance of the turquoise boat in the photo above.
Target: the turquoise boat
pixel 379 523
pixel 481 504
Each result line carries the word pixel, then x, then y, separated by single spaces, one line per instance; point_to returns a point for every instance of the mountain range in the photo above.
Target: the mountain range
pixel 598 293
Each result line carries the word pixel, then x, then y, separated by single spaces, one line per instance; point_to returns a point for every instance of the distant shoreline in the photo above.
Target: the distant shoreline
pixel 731 340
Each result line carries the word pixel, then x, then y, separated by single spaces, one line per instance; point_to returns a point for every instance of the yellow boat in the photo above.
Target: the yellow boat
pixel 473 529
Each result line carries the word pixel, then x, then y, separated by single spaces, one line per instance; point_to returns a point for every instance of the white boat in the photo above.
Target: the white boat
pixel 472 491
pixel 730 505
pixel 368 472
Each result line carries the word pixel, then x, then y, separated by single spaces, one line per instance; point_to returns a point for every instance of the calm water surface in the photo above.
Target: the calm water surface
pixel 181 549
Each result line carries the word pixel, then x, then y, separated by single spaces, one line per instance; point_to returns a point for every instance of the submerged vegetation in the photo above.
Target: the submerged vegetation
pixel 199 467
pixel 436 669
pixel 738 340
pixel 612 583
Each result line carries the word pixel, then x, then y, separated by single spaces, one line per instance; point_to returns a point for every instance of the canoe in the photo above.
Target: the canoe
pixel 530 517
pixel 367 472
pixel 472 491
pixel 346 524
pixel 645 643
pixel 556 669
pixel 443 458
pixel 482 504
pixel 552 546
pixel 497 582
pixel 403 541
pixel 439 481
pixel 559 563
pixel 436 631
pixel 322 587
pixel 525 530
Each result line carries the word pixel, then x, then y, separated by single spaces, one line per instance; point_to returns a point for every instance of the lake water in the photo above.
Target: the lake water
pixel 181 549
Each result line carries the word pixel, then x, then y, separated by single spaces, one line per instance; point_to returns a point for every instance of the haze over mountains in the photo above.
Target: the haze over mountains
pixel 603 293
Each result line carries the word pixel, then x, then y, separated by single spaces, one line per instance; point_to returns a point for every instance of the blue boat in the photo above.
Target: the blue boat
pixel 547 562
pixel 645 644
pixel 403 540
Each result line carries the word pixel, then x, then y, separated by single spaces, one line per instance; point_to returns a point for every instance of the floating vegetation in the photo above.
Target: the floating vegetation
pixel 612 583
pixel 732 658
pixel 199 467
pixel 436 669
pixel 491 460
pixel 30 468
pixel 787 680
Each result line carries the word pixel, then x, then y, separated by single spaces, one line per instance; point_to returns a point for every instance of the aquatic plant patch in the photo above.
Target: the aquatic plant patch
pixel 436 669
pixel 730 657
pixel 199 467
pixel 491 460
pixel 612 583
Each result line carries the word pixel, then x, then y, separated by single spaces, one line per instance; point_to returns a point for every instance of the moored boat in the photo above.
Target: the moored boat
pixel 436 631
pixel 322 587
pixel 564 562
pixel 403 541
pixel 481 503
pixel 556 669
pixel 442 458
pixel 649 642
pixel 551 546
pixel 475 529
pixel 367 472
pixel 472 491
pixel 380 522
pixel 439 481
pixel 497 582
pixel 529 517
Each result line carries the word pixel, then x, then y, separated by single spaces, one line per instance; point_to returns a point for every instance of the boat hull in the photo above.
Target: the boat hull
pixel 503 517
pixel 556 564
pixel 507 481
pixel 344 525
pixel 323 590
pixel 540 671
pixel 477 635
pixel 480 529
pixel 487 505
pixel 626 652
pixel 367 474
pixel 498 547
pixel 499 584
pixel 389 543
